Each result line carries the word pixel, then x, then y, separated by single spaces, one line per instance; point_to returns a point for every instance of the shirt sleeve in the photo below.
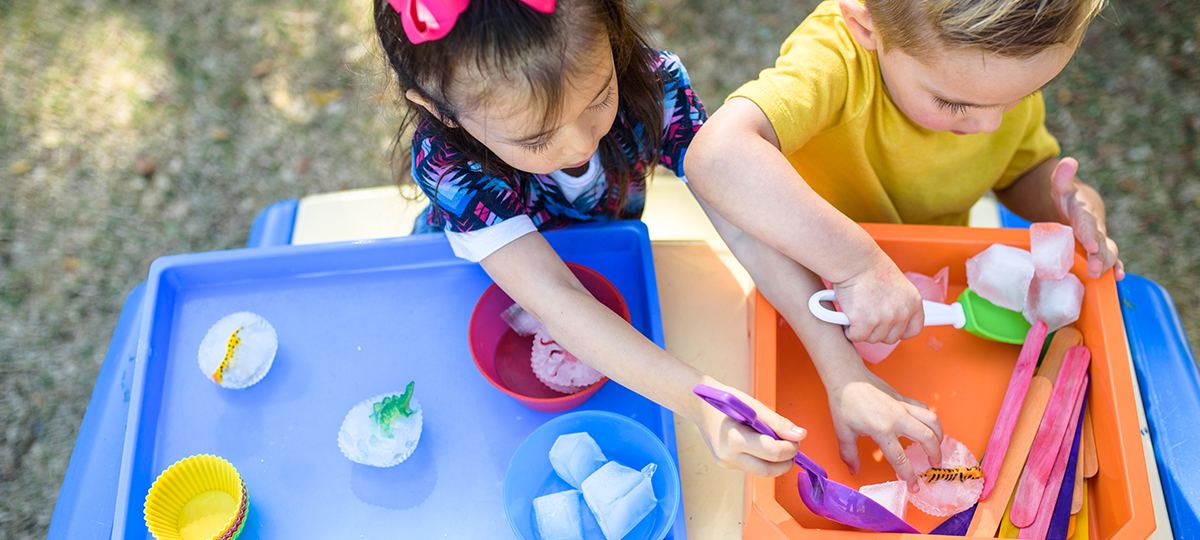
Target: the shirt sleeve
pixel 463 198
pixel 683 113
pixel 1036 146
pixel 806 89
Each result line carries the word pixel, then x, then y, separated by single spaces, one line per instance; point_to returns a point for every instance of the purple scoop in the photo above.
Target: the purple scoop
pixel 822 496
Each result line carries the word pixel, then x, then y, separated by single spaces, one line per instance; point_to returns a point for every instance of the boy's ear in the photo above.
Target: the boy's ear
pixel 862 27
pixel 416 97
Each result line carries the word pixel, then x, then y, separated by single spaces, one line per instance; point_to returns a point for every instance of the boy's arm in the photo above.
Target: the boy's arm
pixel 1052 192
pixel 534 276
pixel 860 403
pixel 735 166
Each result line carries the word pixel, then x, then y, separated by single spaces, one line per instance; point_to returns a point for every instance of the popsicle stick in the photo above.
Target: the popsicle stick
pixel 1091 464
pixel 1081 519
pixel 1064 339
pixel 1077 491
pixel 1054 482
pixel 1007 529
pixel 1071 527
pixel 1061 515
pixel 1010 408
pixel 992 510
pixel 1049 438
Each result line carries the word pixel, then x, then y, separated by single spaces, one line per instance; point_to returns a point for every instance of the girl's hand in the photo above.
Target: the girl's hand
pixel 872 408
pixel 1084 211
pixel 881 303
pixel 737 446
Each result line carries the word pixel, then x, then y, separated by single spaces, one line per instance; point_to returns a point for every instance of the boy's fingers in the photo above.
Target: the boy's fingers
pixel 1062 177
pixel 915 325
pixel 894 453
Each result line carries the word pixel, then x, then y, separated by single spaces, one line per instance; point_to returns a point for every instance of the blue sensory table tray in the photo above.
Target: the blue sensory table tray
pixel 354 320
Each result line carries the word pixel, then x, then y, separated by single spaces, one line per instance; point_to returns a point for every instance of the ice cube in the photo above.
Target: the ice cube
pixel 575 456
pixel 1001 275
pixel 891 495
pixel 1055 302
pixel 874 352
pixel 559 516
pixel 932 288
pixel 1053 249
pixel 619 497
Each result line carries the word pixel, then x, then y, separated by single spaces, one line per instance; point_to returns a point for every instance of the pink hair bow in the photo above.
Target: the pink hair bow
pixel 429 20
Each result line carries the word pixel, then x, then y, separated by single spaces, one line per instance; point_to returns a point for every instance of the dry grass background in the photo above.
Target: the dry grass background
pixel 131 130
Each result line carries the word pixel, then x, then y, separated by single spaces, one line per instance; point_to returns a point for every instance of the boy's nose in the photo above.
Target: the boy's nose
pixel 988 121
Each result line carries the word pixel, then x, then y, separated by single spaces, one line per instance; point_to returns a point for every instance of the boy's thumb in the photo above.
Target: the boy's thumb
pixel 1063 175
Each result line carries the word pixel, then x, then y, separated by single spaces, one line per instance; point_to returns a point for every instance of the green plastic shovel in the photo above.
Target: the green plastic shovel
pixel 971 313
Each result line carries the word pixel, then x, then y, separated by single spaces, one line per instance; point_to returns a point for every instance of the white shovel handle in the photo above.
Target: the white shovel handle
pixel 936 314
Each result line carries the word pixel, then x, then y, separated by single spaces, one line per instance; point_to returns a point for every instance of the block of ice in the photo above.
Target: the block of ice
pixel 521 321
pixel 1055 302
pixel 558 368
pixel 619 497
pixel 932 288
pixel 891 495
pixel 1053 249
pixel 1001 275
pixel 575 456
pixel 559 516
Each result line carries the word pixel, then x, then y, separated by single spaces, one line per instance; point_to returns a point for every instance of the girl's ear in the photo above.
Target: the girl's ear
pixel 416 97
pixel 858 19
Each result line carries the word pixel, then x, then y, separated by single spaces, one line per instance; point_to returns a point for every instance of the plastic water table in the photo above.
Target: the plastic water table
pixel 708 330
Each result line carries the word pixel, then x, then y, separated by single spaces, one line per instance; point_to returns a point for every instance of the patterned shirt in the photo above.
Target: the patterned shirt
pixel 470 200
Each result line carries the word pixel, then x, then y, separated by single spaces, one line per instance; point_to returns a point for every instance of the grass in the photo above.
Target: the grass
pixel 132 130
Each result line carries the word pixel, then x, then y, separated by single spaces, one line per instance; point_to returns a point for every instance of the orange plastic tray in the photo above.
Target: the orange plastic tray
pixel 961 377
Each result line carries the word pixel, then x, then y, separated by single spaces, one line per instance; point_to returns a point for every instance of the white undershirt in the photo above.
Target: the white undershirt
pixel 475 245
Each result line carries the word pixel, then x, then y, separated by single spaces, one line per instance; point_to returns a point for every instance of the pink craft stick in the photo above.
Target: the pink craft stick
pixel 1041 523
pixel 1048 441
pixel 1010 408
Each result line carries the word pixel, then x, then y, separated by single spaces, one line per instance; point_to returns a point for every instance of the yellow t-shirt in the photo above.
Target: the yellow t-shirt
pixel 840 129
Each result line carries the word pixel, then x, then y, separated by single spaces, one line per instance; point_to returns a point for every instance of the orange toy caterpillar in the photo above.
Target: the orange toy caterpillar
pixel 957 474
pixel 233 342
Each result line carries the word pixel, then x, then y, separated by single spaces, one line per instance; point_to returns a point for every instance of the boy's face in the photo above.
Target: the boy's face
pixel 965 91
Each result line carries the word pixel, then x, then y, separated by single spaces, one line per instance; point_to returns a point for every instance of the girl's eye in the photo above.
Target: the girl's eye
pixel 955 108
pixel 537 147
pixel 603 104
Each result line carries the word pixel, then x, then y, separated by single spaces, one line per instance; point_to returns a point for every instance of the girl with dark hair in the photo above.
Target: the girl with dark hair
pixel 531 115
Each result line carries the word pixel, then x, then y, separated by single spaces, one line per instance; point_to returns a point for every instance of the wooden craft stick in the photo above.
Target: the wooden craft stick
pixel 1071 527
pixel 1018 385
pixel 1045 511
pixel 1081 519
pixel 1091 464
pixel 991 510
pixel 1049 438
pixel 1064 339
pixel 1077 496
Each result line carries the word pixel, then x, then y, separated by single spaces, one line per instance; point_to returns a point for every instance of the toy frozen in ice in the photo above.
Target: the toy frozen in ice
pixel 950 488
pixel 238 350
pixel 552 364
pixel 382 431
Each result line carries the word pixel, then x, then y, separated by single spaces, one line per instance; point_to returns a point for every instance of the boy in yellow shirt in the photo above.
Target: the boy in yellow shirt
pixel 894 111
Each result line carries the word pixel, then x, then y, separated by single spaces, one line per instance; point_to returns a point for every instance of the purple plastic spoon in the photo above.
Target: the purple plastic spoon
pixel 824 497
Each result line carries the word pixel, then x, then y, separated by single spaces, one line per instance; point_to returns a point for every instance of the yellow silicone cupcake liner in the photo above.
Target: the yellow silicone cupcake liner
pixel 198 498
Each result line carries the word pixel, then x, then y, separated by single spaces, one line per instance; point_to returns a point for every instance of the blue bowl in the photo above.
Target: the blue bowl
pixel 621 439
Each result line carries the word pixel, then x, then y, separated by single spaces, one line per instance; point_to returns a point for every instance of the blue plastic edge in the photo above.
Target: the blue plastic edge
pixel 1170 389
pixel 90 471
pixel 1009 220
pixel 273 225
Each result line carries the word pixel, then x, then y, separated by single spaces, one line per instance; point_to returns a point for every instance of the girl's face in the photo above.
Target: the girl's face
pixel 966 91
pixel 511 124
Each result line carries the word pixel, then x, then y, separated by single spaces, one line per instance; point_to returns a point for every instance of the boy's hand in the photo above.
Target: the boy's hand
pixel 1084 211
pixel 881 303
pixel 737 446
pixel 870 407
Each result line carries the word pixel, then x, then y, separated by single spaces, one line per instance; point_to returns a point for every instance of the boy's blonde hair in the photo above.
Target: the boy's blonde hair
pixel 1012 28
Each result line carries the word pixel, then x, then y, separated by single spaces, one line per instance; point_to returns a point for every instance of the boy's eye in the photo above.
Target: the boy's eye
pixel 955 108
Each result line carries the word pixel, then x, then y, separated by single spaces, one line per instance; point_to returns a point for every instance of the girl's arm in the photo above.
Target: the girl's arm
pixel 860 403
pixel 535 277
pixel 735 166
pixel 1052 192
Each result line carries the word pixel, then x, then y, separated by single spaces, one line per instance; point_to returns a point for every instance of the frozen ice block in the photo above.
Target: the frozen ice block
pixel 558 368
pixel 891 495
pixel 1055 302
pixel 559 516
pixel 931 288
pixel 1053 248
pixel 1001 275
pixel 619 497
pixel 575 456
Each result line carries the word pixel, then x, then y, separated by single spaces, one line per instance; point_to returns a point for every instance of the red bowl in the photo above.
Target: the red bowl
pixel 502 356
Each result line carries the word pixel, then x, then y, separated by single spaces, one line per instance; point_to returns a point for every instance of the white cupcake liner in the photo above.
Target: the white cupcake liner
pixel 347 443
pixel 257 348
